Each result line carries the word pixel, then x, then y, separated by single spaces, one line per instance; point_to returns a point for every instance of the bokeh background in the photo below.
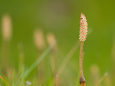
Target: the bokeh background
pixel 62 18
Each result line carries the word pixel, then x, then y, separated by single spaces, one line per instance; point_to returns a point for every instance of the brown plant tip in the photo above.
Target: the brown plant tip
pixel 82 80
pixel 83 84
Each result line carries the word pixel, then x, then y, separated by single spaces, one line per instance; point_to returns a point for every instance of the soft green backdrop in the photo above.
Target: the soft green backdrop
pixel 62 18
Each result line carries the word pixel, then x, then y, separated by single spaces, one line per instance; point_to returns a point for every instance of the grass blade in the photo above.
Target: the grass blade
pixel 35 64
pixel 4 81
pixel 13 81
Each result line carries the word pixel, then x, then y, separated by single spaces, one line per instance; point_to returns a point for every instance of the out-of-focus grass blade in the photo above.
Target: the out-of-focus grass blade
pixel 27 72
pixel 35 64
pixel 67 58
pixel 106 74
pixel 78 80
pixel 18 79
pixel 4 81
pixel 13 81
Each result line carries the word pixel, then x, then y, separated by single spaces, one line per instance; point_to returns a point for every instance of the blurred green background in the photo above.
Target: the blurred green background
pixel 62 18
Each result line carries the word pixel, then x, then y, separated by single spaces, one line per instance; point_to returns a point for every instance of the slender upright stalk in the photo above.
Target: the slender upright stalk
pixel 51 41
pixel 81 58
pixel 56 80
pixel 82 37
pixel 6 38
pixel 21 57
pixel 82 79
pixel 40 46
pixel 4 57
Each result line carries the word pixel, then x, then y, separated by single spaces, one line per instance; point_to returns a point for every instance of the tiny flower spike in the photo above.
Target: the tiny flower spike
pixel 39 39
pixel 6 28
pixel 82 37
pixel 83 27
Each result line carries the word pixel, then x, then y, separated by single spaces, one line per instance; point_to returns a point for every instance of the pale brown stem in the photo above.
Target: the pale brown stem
pixel 4 56
pixel 21 58
pixel 52 63
pixel 81 58
pixel 53 66
pixel 82 79
pixel 56 80
pixel 40 69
